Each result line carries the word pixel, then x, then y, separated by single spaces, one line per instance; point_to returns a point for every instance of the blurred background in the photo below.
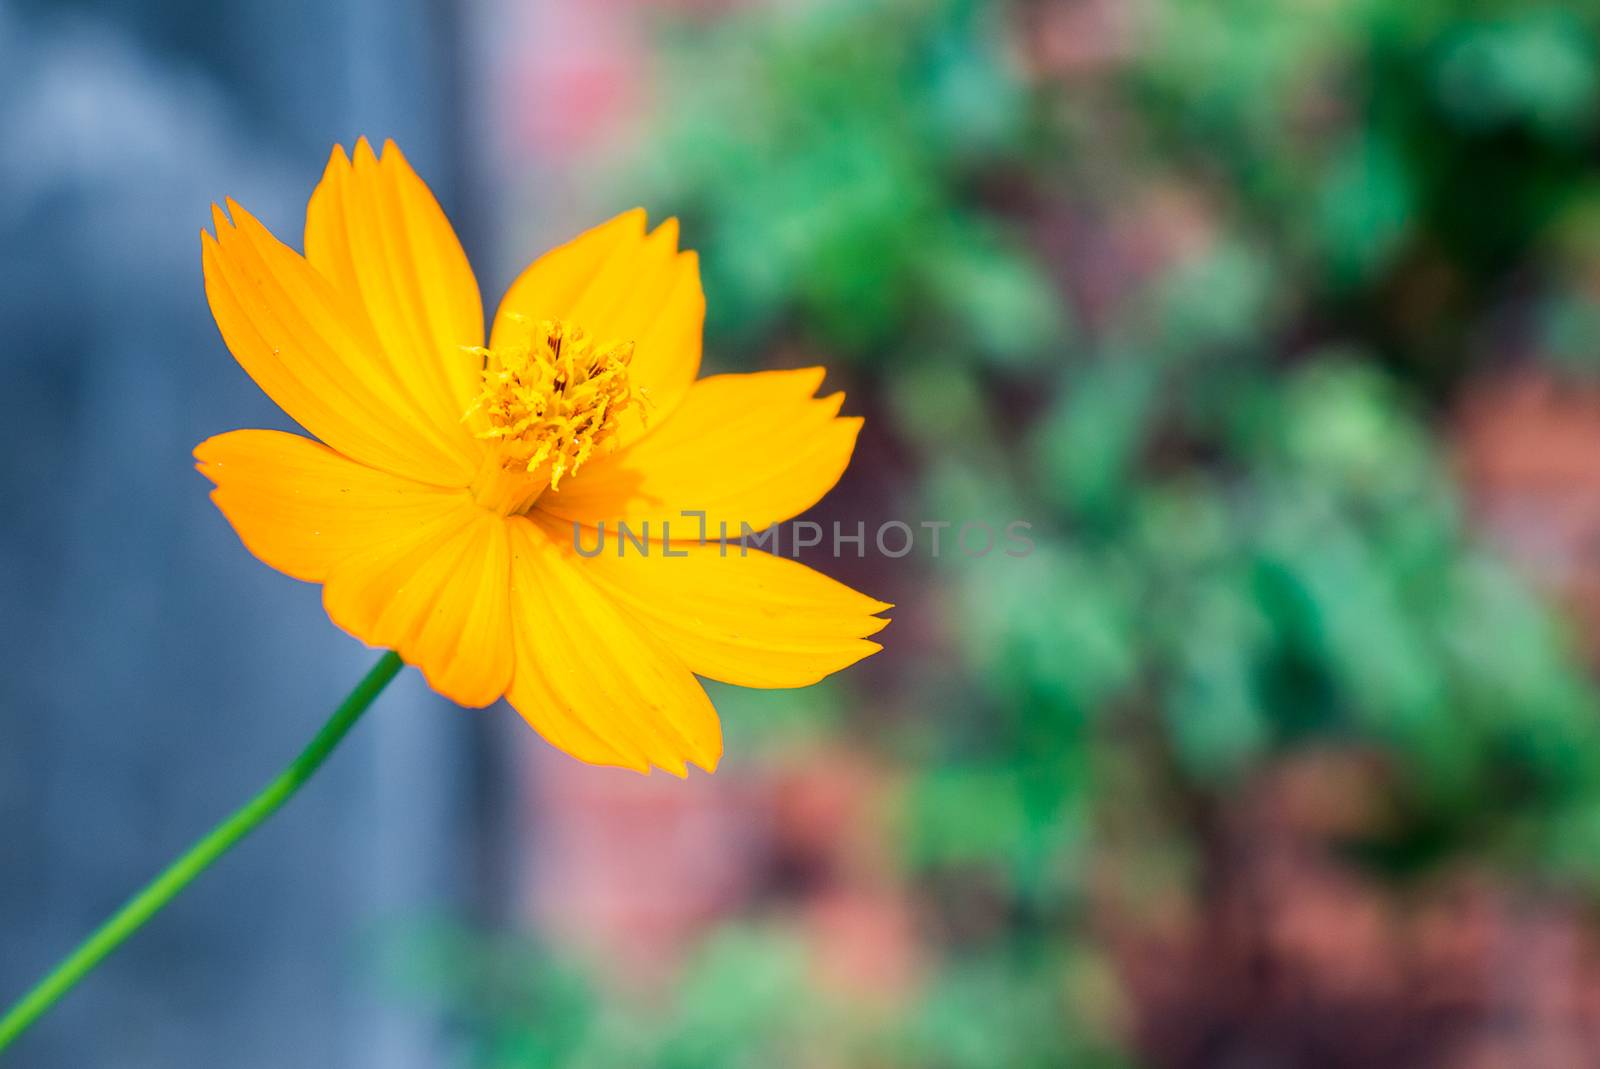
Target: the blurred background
pixel 1279 320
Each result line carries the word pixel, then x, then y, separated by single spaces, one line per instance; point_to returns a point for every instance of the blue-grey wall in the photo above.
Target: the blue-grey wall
pixel 153 673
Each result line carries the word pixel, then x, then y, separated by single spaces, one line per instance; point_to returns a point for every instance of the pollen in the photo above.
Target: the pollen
pixel 552 399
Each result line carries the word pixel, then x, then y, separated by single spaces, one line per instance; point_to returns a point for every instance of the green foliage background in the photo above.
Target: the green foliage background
pixel 1249 544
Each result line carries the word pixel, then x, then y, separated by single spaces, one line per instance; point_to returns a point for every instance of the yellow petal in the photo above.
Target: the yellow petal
pixel 438 594
pixel 315 354
pixel 374 229
pixel 620 284
pixel 745 449
pixel 747 617
pixel 301 508
pixel 589 678
pixel 413 568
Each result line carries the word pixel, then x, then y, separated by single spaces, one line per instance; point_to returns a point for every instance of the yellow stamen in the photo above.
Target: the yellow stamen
pixel 551 400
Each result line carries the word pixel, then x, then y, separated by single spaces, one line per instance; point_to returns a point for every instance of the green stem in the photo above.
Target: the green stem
pixel 161 890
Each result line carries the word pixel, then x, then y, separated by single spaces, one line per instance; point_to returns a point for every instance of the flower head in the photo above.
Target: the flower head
pixel 453 478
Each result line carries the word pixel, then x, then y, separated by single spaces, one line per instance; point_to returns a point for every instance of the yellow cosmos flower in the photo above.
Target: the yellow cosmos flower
pixel 439 505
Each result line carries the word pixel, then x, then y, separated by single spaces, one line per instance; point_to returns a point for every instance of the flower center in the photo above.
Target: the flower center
pixel 551 398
